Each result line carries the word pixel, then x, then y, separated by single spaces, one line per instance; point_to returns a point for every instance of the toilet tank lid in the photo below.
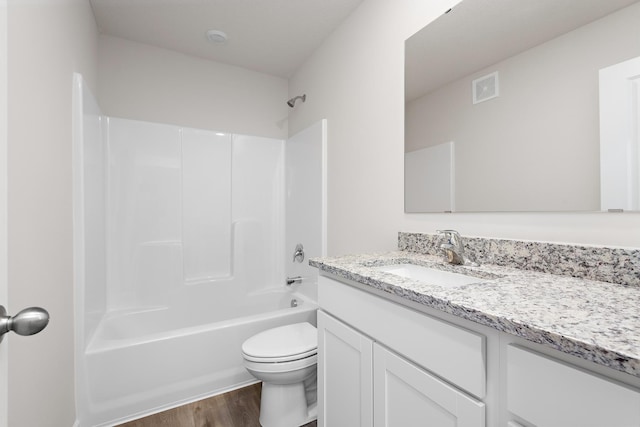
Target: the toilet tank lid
pixel 282 341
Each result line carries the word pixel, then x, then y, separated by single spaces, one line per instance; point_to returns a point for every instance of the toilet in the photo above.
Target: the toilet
pixel 285 359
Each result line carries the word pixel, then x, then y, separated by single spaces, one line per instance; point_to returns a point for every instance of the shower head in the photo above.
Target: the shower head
pixel 292 101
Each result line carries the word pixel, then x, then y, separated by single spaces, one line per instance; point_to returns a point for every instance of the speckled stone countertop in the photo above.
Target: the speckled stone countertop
pixel 594 320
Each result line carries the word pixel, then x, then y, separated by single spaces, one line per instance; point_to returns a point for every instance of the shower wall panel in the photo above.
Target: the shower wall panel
pixel 144 214
pixel 90 206
pixel 305 202
pixel 258 210
pixel 191 207
pixel 206 205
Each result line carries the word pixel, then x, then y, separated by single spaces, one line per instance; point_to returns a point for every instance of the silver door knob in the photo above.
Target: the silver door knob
pixel 29 321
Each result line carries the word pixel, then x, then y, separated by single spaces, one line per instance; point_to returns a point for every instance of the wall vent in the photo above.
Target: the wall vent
pixel 485 88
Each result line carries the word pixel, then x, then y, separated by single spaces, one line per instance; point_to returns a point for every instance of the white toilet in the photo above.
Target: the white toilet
pixel 285 360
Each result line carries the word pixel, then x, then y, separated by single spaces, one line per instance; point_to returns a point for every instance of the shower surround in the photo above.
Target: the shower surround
pixel 180 256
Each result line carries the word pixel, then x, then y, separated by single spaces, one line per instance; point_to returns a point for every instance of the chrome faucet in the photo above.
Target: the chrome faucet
pixel 292 280
pixel 298 254
pixel 453 248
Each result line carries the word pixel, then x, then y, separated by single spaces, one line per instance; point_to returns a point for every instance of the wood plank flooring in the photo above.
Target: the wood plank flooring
pixel 238 408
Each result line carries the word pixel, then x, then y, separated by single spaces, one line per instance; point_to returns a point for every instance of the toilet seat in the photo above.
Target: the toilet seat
pixel 291 366
pixel 283 344
pixel 282 359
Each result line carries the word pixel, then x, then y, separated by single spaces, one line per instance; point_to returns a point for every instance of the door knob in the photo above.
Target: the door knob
pixel 29 321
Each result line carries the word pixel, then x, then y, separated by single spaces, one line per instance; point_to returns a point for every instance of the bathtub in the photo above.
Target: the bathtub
pixel 141 362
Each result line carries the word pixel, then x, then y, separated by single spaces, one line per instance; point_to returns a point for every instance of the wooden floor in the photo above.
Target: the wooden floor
pixel 238 408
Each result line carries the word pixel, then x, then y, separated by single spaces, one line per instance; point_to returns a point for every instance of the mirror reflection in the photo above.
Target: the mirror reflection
pixel 502 104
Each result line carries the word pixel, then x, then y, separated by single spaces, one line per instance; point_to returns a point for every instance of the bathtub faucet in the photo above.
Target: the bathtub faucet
pixel 292 280
pixel 298 255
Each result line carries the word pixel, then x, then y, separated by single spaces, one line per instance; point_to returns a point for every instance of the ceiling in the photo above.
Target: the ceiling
pixel 479 33
pixel 269 36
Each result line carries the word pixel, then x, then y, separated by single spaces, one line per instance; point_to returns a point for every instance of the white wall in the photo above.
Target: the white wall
pixel 142 82
pixel 47 41
pixel 355 80
pixel 4 350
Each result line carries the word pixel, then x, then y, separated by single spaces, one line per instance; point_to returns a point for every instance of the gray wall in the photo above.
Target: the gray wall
pixel 143 82
pixel 47 42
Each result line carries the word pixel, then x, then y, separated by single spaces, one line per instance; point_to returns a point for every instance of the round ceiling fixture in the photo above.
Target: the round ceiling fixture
pixel 216 36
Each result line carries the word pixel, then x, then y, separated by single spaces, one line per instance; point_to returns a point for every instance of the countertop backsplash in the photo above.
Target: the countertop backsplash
pixel 601 263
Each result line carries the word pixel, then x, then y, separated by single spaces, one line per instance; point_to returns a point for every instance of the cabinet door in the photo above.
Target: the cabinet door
pixel 548 393
pixel 345 375
pixel 406 395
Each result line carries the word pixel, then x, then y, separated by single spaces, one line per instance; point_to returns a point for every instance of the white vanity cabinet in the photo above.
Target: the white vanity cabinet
pixel 544 392
pixel 404 394
pixel 381 364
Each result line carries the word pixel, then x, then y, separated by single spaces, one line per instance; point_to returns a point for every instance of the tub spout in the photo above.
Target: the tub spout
pixel 292 280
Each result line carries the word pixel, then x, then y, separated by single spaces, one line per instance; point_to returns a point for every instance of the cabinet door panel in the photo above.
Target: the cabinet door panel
pixel 345 375
pixel 550 393
pixel 406 395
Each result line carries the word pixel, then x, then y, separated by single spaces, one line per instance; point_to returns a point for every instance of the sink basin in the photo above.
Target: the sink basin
pixel 428 275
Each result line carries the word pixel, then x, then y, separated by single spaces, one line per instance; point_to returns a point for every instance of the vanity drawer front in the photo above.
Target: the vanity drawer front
pixel 452 353
pixel 548 392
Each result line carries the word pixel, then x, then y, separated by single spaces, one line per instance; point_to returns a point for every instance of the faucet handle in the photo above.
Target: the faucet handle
pixel 447 232
pixel 451 235
pixel 298 254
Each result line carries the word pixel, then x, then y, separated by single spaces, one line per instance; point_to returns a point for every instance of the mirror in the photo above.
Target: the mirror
pixel 502 104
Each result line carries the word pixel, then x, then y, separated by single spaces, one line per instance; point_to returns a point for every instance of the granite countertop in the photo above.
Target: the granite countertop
pixel 593 320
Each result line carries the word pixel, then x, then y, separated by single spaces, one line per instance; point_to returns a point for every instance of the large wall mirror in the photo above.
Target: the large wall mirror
pixel 502 104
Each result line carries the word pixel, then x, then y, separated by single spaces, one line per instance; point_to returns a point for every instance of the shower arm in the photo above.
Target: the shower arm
pixel 293 100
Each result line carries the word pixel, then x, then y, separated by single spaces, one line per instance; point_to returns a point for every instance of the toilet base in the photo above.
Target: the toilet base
pixel 285 406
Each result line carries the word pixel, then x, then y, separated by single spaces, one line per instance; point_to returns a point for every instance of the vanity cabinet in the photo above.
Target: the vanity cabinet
pixel 381 364
pixel 542 391
pixel 404 394
pixel 386 362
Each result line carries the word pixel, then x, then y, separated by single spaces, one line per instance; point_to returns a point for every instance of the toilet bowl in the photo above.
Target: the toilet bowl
pixel 285 360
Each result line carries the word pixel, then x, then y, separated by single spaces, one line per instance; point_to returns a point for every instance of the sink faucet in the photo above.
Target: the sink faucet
pixel 453 248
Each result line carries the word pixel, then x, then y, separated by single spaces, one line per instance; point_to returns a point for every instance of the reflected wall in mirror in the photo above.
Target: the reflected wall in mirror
pixel 535 146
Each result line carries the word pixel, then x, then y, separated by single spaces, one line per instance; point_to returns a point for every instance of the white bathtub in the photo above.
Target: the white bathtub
pixel 138 363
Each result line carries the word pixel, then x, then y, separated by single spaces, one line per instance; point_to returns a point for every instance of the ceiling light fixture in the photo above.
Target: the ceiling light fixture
pixel 216 36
